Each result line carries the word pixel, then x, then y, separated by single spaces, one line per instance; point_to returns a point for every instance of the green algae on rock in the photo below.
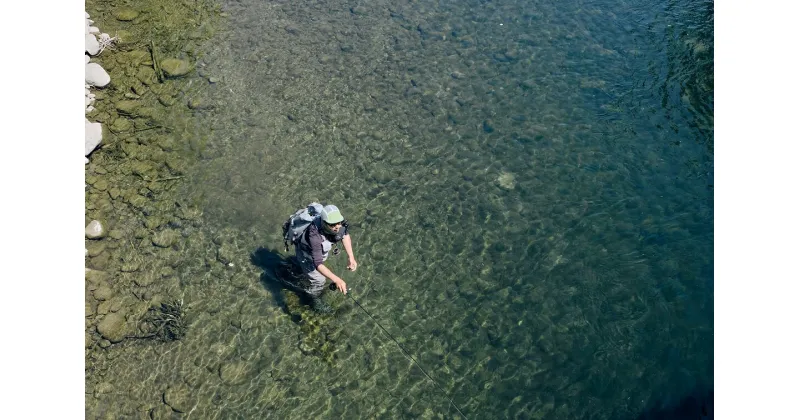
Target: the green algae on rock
pixel 174 67
pixel 125 14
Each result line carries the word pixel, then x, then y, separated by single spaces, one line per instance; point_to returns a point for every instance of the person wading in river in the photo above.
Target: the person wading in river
pixel 314 231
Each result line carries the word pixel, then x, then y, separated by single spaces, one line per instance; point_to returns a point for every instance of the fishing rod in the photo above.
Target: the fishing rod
pixel 409 356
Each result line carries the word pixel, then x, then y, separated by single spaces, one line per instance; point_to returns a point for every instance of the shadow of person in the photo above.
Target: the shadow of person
pixel 279 274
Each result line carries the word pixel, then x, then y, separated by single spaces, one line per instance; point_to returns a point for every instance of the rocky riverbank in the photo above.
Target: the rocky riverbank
pixel 142 133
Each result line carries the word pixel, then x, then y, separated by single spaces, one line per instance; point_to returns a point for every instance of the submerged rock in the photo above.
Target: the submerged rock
pixel 166 238
pixel 234 373
pixel 179 398
pixel 125 14
pixel 174 67
pixel 128 107
pixel 506 180
pixel 113 327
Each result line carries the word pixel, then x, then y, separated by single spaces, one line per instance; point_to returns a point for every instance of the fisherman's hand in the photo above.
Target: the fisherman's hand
pixel 341 285
pixel 352 265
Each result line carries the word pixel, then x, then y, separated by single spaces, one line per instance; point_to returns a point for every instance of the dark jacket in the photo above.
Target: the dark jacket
pixel 316 243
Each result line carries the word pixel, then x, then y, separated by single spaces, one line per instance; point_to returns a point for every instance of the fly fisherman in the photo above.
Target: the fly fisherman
pixel 312 248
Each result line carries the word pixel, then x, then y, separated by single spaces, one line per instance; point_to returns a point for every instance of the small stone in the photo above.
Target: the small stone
pixel 175 68
pixel 95 75
pixel 95 230
pixel 125 14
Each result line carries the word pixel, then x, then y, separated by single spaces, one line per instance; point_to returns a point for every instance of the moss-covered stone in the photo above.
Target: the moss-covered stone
pixel 136 57
pixel 146 75
pixel 101 184
pixel 166 143
pixel 95 248
pixel 167 100
pixel 128 107
pixel 179 398
pixel 125 14
pixel 121 125
pixel 200 103
pixel 137 201
pixel 113 327
pixel 174 67
pixel 114 193
pixel 153 222
pixel 103 292
pixel 166 238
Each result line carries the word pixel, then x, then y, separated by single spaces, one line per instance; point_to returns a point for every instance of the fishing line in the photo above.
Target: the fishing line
pixel 409 356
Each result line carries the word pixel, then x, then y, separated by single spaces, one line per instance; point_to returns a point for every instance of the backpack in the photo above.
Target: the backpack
pixel 298 222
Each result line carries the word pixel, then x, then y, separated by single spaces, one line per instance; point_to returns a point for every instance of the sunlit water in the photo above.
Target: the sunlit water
pixel 530 189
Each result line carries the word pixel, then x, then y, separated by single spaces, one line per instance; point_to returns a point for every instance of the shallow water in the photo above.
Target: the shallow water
pixel 530 187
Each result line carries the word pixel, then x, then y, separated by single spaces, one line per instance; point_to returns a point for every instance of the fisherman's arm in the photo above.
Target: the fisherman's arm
pixel 348 247
pixel 340 284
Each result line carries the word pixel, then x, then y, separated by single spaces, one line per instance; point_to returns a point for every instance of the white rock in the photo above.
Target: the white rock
pixel 85 161
pixel 96 75
pixel 89 21
pixel 94 230
pixel 87 15
pixel 86 251
pixel 92 46
pixel 93 136
pixel 93 30
pixel 88 101
pixel 86 91
pixel 89 109
pixel 86 60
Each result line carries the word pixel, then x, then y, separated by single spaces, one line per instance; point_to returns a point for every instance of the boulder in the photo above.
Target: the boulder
pixel 96 75
pixel 92 46
pixel 95 230
pixel 93 135
pixel 113 327
pixel 174 67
